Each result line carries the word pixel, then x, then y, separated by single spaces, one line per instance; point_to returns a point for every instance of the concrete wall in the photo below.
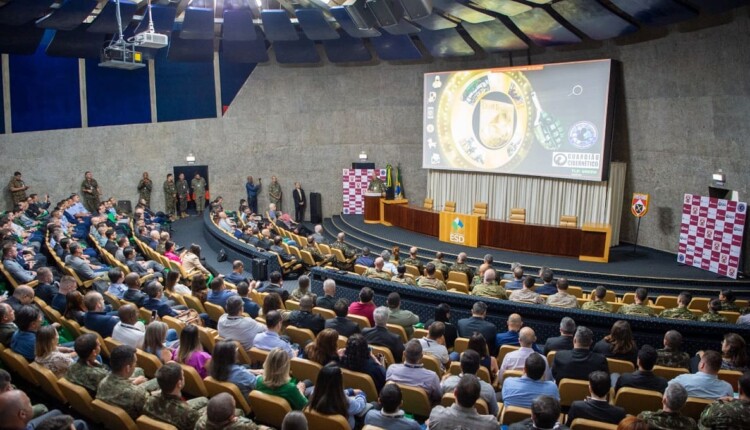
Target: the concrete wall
pixel 683 98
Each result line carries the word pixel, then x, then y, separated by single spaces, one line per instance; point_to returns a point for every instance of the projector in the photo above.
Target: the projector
pixel 121 57
pixel 148 39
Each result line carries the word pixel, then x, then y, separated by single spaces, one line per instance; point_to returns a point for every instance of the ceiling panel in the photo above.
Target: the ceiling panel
pixel 544 30
pixel 593 19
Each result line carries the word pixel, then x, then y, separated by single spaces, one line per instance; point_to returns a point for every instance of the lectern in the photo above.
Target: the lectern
pixel 372 207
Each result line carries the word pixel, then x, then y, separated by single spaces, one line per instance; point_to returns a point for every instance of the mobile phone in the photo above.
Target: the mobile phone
pixel 153 315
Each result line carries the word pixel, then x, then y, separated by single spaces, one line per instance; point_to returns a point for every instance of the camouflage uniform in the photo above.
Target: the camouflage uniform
pixel 347 250
pixel 182 194
pixel 144 190
pixel 376 185
pixel 173 410
pixel 199 190
pixel 660 420
pixel 678 314
pixel 490 290
pixel 426 282
pixel 317 255
pixel 18 196
pixel 729 306
pixel 91 197
pixel 414 262
pixel 730 415
pixel 170 197
pixel 119 391
pixel 372 272
pixel 641 310
pixel 441 266
pixel 670 358
pixel 597 306
pixel 87 377
pixel 405 280
pixel 709 317
pixel 462 267
pixel 562 300
pixel 274 194
pixel 241 423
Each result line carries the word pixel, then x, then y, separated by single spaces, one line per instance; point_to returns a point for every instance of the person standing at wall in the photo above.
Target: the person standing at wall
pixel 145 186
pixel 17 188
pixel 183 189
pixel 300 202
pixel 252 193
pixel 198 185
pixel 274 193
pixel 91 192
pixel 170 196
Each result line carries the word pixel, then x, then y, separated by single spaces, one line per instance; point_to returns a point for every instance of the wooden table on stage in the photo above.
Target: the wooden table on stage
pixel 589 243
pixel 372 208
pixel 412 218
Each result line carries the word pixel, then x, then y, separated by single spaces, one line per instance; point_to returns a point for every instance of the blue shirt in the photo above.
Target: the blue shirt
pixel 252 190
pixel 59 302
pixel 235 278
pixel 160 307
pixel 243 379
pixel 24 343
pixel 219 298
pixel 365 260
pixel 395 421
pixel 704 385
pixel 522 391
pixel 514 285
pixel 547 289
pixel 251 307
pixel 269 340
pixel 117 290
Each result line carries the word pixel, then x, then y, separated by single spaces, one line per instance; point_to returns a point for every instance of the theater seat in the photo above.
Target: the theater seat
pixel 480 209
pixel 428 204
pixel 115 417
pixel 269 410
pixel 518 215
pixel 147 423
pixel 329 422
pixel 584 424
pixel 568 221
pixel 449 207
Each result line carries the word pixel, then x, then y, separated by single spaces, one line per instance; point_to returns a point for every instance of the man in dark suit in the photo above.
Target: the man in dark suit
pixel 275 286
pixel 134 294
pixel 565 340
pixel 96 319
pixel 300 202
pixel 328 300
pixel 596 407
pixel 343 325
pixel 476 323
pixel 379 335
pixel 579 362
pixel 644 377
pixel 304 318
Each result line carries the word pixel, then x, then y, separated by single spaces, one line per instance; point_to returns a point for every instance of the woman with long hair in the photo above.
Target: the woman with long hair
pixel 276 381
pixel 74 309
pixel 443 314
pixel 224 367
pixel 396 255
pixel 323 350
pixel 191 351
pixel 478 343
pixel 48 354
pixel 172 284
pixel 358 358
pixel 619 343
pixel 329 397
pixel 169 252
pixel 199 287
pixel 273 302
pixel 191 260
pixel 155 341
pixel 734 352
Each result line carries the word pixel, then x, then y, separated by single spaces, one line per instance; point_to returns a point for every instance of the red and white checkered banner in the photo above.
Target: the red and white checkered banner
pixel 354 186
pixel 711 234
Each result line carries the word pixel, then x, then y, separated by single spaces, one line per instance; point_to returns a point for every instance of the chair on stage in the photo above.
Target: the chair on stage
pixel 428 204
pixel 568 221
pixel 480 209
pixel 517 215
pixel 450 207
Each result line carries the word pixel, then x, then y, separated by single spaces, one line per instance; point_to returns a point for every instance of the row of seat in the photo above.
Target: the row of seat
pixel 517 215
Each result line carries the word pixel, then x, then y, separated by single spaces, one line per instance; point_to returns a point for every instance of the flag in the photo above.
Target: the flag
pixel 388 176
pixel 399 183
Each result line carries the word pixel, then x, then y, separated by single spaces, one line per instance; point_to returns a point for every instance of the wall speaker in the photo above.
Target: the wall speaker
pixel 416 9
pixel 360 14
pixel 316 208
pixel 387 12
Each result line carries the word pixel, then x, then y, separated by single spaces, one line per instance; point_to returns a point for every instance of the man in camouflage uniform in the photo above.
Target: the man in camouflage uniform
pixel 91 192
pixel 713 315
pixel 168 405
pixel 640 306
pixel 597 302
pixel 145 186
pixel 376 185
pixel 220 415
pixel 377 272
pixel 672 354
pixel 274 193
pixel 727 299
pixel 681 312
pixel 87 371
pixel 348 251
pixel 183 189
pixel 428 279
pixel 412 260
pixel 17 188
pixel 117 388
pixel 198 185
pixel 170 196
pixel 490 288
pixel 669 417
pixel 729 413
pixel 461 266
pixel 317 255
pixel 440 264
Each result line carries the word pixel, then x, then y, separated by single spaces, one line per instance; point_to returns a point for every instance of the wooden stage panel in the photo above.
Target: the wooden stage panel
pixel 539 239
pixel 413 218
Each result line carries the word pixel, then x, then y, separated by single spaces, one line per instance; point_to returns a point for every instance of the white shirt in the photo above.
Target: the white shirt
pixel 129 334
pixel 516 360
pixel 390 267
pixel 240 328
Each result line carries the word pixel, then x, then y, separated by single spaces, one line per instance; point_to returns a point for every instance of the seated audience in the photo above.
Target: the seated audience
pixel 365 306
pixel 324 349
pixel 443 314
pixel 191 351
pixel 640 307
pixel 734 353
pixel 434 344
pixel 477 323
pixel 117 388
pixel 96 319
pixel 413 260
pixel 401 277
pixel 379 334
pixel 705 383
pixel 729 413
pixel 681 312
pixel 191 260
pixel 219 292
pixel 57 359
pixel 134 294
pixel 379 271
pixel 129 330
pixel 516 360
pixel 440 264
pixel 273 302
pixel 669 416
pixel 155 341
pixel 357 357
pixel 233 326
pixel 549 286
pixel 510 337
pixel 87 371
pixel 672 355
pixel 117 285
pixel 727 299
pixel 401 317
pixel 565 340
pixel 270 338
pixel 276 381
pixel 517 281
pixel 596 407
pixel 303 289
pixel 329 295
pixel 619 343
pixel 579 362
pixel 598 302
pixel 248 305
pixel 7 325
pixel 428 279
pixel 643 378
pixel 47 287
pixel 527 293
pixel 470 363
pixel 168 406
pixel 343 325
pixel 172 284
pixel 22 295
pixel 413 373
pixel 304 318
pixel 562 299
pixel 522 391
pixel 223 367
pixel 489 287
pixel 366 259
pixel 329 397
pixel 275 286
pixel 220 415
pixel 23 342
pixel 74 308
pixel 462 414
pixel 60 300
pixel 390 416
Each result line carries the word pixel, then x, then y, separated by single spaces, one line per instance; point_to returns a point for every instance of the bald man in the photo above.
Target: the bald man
pixel 15 410
pixel 377 272
pixel 461 266
pixel 23 295
pixel 412 259
pixel 516 360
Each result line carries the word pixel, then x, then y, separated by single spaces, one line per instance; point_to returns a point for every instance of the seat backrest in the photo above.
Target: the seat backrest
pixel 359 269
pixel 148 362
pixel 173 323
pixel 420 333
pixel 361 381
pixel 361 321
pixel 457 287
pixel 461 344
pixel 115 417
pixel 325 249
pixel 194 385
pixel 628 298
pixel 213 310
pixel 503 351
pixel 48 381
pixel 666 301
pixel 325 313
pixel 731 316
pixel 572 390
pixel 517 215
pixel 215 387
pixel 731 376
pixel 399 330
pixel 303 369
pixel 458 277
pixel 145 422
pixel 257 356
pixel 570 221
pixel 269 410
pixel 635 400
pixel 317 420
pixel 669 372
pixel 699 303
pixel 208 338
pixel 300 336
pixel 78 397
pixel 428 203
pixel 514 414
pixel 620 366
pixel 413 270
pixel 431 362
pixel 18 364
pixel 449 206
pixel 584 424
pixel 416 401
pixel 694 407
pixel 389 359
pixel 194 303
pixel 307 258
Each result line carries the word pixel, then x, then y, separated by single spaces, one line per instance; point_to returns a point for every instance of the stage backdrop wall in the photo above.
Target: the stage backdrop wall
pixel 545 199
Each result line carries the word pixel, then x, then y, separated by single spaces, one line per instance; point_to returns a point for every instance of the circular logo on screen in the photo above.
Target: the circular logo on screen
pixel 582 135
pixel 559 159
